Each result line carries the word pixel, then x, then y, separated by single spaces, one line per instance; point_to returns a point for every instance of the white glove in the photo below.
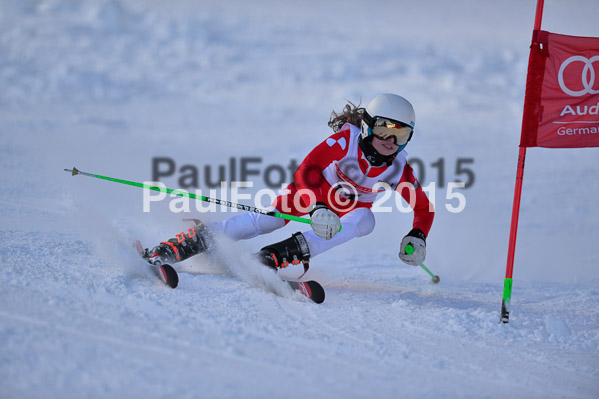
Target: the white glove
pixel 325 222
pixel 417 240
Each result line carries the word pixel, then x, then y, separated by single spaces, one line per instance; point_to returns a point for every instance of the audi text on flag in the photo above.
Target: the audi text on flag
pixel 561 107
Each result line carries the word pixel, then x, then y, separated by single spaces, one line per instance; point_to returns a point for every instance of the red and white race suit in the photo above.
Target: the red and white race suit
pixel 337 173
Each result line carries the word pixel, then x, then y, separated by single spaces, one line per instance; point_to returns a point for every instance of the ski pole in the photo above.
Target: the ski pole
pixel 182 193
pixel 434 277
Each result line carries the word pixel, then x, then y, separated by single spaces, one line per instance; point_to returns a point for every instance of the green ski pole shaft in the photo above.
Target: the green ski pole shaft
pixel 182 193
pixel 410 250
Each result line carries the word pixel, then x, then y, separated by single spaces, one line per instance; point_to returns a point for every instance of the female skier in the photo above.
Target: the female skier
pixel 336 185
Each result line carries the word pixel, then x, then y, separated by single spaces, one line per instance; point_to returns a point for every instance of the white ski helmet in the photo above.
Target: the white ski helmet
pixel 388 106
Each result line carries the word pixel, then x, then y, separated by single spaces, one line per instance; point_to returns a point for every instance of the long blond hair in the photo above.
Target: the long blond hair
pixel 351 113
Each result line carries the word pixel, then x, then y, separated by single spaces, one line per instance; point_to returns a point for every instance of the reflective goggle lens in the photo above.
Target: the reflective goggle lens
pixel 385 128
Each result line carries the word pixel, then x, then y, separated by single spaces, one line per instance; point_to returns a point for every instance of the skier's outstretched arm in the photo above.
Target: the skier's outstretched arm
pixel 424 214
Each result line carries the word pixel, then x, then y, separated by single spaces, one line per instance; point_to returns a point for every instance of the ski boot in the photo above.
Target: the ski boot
pixel 184 245
pixel 293 250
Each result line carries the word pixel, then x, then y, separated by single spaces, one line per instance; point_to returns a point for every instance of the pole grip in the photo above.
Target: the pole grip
pixel 409 250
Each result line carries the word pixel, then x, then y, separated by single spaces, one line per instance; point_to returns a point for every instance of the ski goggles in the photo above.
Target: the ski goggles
pixel 385 128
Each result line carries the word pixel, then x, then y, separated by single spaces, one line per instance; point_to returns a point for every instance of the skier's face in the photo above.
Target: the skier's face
pixel 384 146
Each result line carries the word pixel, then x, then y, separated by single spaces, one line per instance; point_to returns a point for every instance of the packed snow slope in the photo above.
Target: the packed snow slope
pixel 108 85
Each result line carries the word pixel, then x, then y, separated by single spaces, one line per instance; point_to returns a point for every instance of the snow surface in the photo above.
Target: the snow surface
pixel 106 85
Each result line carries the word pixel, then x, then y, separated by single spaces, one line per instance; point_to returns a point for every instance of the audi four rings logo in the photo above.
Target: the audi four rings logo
pixel 587 77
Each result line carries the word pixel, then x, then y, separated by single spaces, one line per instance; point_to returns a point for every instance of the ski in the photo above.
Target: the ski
pixel 310 289
pixel 166 273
